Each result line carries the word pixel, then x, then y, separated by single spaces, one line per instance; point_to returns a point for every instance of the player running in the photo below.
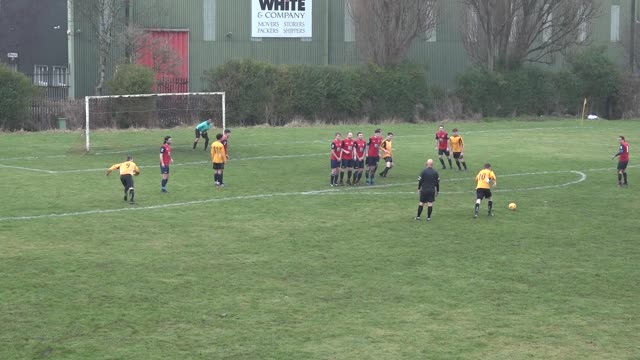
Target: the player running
pixel 485 179
pixel 128 169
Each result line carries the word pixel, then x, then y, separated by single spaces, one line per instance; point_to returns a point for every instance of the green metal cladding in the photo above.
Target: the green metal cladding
pixel 220 30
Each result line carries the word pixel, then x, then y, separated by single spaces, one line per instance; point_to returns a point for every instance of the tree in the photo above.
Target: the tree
pixel 105 18
pixel 504 34
pixel 385 29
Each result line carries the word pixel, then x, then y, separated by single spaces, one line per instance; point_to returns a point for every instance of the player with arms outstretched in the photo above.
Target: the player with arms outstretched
pixel 128 170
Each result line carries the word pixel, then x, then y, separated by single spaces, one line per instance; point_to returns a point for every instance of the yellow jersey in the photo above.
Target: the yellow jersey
pixel 126 168
pixel 456 143
pixel 386 148
pixel 485 178
pixel 218 154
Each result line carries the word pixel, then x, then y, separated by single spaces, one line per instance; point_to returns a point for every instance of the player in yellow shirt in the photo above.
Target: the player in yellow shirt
pixel 218 158
pixel 485 179
pixel 128 170
pixel 386 153
pixel 457 148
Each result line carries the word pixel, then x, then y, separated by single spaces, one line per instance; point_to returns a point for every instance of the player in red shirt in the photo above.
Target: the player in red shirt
pixel 347 159
pixel 623 160
pixel 373 156
pixel 336 156
pixel 165 160
pixel 358 157
pixel 225 141
pixel 442 145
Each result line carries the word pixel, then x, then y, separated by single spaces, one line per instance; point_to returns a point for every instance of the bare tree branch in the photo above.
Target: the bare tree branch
pixel 385 29
pixel 511 32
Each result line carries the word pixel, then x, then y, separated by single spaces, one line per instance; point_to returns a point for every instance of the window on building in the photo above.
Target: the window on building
pixel 40 75
pixel 615 23
pixel 256 39
pixel 349 25
pixel 59 76
pixel 209 17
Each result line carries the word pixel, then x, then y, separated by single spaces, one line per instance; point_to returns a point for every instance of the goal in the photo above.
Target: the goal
pixel 152 111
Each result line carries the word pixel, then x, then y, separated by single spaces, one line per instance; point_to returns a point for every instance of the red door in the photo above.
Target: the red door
pixel 167 53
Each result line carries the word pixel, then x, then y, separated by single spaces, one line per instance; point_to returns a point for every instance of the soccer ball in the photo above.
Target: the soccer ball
pixel 512 206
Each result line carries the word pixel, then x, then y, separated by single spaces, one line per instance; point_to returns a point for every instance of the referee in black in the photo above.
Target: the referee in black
pixel 428 187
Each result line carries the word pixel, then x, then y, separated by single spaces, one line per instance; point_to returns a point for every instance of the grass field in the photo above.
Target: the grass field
pixel 278 265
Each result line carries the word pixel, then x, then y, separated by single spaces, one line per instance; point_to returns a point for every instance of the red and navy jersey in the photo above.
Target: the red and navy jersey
pixel 443 140
pixel 347 149
pixel 336 149
pixel 165 151
pixel 623 152
pixel 223 140
pixel 359 147
pixel 374 146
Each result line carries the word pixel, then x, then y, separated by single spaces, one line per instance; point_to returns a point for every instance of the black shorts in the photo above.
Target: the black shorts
pixel 164 169
pixel 443 152
pixel 373 160
pixel 335 164
pixel 622 165
pixel 427 195
pixel 218 166
pixel 483 193
pixel 127 181
pixel 457 155
pixel 204 134
pixel 347 163
pixel 358 164
pixel 388 159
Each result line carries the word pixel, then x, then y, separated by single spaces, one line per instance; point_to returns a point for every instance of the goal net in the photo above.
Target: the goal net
pixel 151 111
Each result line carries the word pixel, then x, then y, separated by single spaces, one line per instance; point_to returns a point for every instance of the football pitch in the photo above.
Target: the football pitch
pixel 279 265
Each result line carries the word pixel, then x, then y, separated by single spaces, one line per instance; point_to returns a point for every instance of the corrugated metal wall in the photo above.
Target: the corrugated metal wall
pixel 220 30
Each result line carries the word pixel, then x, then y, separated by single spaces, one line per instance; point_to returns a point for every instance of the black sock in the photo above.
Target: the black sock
pixel 221 176
pixel 429 211
pixel 442 162
pixel 331 181
pixel 420 207
pixel 465 165
pixel 619 179
pixel 450 165
pixel 206 143
pixel 366 174
pixel 458 163
pixel 341 176
pixel 349 174
pixel 477 208
pixel 359 175
pixel 216 177
pixel 164 183
pixel 194 144
pixel 131 194
pixel 490 205
pixel 624 175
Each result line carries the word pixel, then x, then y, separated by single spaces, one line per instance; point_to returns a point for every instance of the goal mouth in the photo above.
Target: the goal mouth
pixel 163 110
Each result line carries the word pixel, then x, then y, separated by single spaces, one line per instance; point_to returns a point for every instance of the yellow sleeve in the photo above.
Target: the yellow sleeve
pixel 113 167
pixel 137 169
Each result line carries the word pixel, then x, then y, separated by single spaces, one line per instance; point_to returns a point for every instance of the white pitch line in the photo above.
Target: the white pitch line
pixel 148 166
pixel 293 142
pixel 583 177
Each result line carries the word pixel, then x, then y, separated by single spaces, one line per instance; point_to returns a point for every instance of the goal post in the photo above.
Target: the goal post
pixel 164 110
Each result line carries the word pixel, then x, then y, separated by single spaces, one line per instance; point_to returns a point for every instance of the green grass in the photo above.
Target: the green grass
pixel 278 265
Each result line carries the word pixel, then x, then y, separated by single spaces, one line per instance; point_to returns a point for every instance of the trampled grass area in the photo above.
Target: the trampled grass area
pixel 278 265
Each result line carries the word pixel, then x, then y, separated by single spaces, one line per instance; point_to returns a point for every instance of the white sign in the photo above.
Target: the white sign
pixel 281 18
pixel 12 55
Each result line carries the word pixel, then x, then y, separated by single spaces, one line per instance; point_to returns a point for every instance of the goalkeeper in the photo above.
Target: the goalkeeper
pixel 201 130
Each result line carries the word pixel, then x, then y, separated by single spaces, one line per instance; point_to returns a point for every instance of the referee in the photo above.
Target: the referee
pixel 428 187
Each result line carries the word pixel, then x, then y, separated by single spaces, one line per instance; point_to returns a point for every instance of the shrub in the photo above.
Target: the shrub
pixel 134 79
pixel 16 92
pixel 259 92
